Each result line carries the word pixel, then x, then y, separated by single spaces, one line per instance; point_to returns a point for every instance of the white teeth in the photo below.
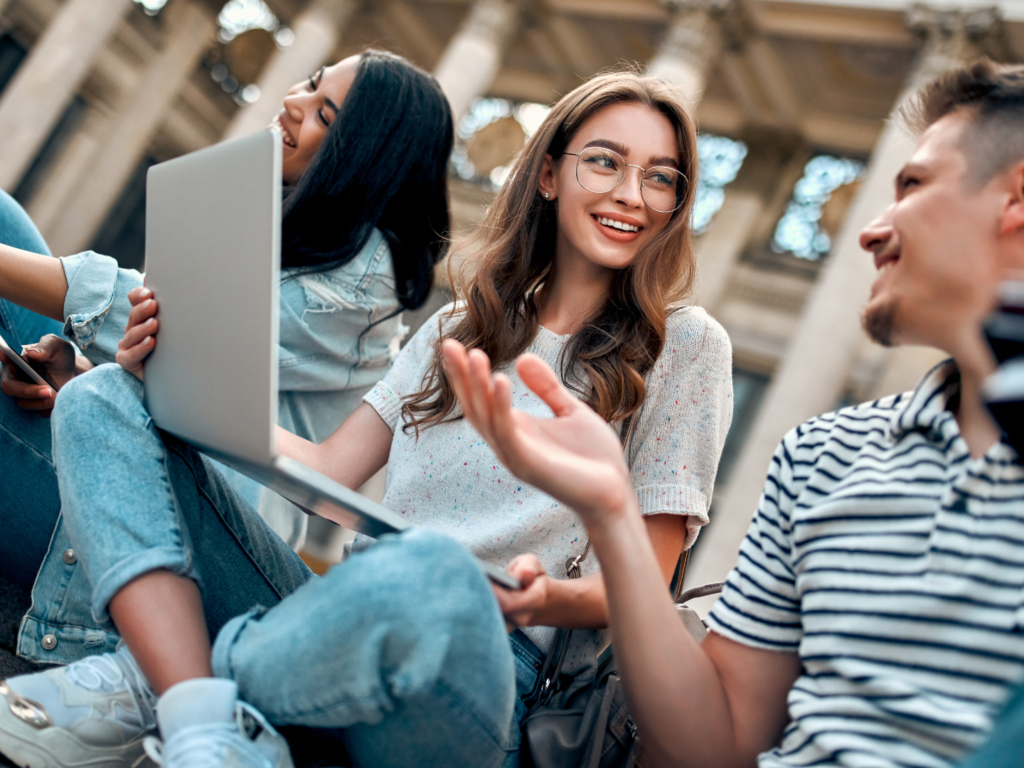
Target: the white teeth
pixel 618 225
pixel 286 137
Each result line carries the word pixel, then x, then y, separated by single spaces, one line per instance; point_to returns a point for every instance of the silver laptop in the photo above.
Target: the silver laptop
pixel 213 255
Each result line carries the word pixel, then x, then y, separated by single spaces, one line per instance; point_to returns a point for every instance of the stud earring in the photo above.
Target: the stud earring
pixel 547 195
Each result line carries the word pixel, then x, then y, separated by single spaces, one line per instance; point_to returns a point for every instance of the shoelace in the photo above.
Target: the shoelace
pixel 108 672
pixel 200 746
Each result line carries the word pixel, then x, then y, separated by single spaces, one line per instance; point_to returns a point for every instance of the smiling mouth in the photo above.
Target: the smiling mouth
pixel 621 226
pixel 285 135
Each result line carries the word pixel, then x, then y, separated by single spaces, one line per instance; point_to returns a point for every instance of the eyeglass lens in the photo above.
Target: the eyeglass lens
pixel 601 170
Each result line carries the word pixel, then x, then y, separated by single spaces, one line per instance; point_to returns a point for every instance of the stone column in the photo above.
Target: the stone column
pixel 58 63
pixel 471 60
pixel 190 30
pixel 813 372
pixel 318 30
pixel 691 46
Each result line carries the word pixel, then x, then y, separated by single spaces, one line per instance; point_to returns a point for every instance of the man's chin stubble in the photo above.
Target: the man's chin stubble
pixel 879 322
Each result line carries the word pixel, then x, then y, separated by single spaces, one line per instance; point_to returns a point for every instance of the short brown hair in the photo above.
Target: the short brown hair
pixel 994 94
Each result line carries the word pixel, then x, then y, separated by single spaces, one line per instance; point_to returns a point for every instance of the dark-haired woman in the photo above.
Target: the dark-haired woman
pixel 584 252
pixel 365 217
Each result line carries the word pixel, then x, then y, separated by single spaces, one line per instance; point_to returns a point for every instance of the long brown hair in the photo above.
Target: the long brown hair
pixel 512 255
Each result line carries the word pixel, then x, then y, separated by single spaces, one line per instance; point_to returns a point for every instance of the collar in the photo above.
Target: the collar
pixel 926 410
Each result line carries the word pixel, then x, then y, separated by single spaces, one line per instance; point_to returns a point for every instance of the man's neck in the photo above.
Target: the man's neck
pixel 977 426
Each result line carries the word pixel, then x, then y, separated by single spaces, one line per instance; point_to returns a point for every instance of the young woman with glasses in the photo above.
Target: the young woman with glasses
pixel 365 219
pixel 582 257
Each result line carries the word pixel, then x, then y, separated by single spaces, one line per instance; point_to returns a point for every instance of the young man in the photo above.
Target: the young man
pixel 875 615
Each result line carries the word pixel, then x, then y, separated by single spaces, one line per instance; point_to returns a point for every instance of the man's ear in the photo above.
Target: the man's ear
pixel 548 181
pixel 1013 214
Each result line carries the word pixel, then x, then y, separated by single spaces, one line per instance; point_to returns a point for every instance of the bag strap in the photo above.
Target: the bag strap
pixel 547 681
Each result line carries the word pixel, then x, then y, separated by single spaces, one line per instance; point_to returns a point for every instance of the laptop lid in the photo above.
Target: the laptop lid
pixel 213 245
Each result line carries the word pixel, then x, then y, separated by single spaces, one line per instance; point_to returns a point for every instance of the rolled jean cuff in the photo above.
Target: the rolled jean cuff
pixel 174 559
pixel 226 638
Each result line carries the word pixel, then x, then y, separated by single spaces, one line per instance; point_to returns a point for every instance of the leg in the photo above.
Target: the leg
pixel 29 501
pixel 404 646
pixel 140 507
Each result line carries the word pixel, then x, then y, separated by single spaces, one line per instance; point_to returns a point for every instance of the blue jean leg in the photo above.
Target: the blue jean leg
pixel 29 503
pixel 403 645
pixel 135 500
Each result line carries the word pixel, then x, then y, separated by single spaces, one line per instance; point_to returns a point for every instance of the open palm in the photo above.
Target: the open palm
pixel 575 457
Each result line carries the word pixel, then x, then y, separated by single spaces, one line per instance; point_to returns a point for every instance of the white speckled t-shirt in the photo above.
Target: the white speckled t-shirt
pixel 450 480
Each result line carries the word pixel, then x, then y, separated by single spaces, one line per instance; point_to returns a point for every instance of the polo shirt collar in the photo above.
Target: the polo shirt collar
pixel 926 409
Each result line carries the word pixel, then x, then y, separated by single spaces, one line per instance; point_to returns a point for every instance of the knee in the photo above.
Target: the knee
pixel 100 393
pixel 436 571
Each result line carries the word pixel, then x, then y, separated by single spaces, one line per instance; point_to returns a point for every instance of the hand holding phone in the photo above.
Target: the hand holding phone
pixel 33 377
pixel 34 374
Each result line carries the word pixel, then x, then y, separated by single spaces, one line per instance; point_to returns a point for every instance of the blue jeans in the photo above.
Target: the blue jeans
pixel 403 646
pixel 29 503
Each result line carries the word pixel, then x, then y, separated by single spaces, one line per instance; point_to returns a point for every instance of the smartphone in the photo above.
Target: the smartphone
pixel 27 367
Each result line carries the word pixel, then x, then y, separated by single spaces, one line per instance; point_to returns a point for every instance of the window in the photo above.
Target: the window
pixel 720 161
pixel 799 231
pixel 483 113
pixel 748 390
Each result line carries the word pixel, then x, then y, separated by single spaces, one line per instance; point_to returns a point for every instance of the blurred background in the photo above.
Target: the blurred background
pixel 792 99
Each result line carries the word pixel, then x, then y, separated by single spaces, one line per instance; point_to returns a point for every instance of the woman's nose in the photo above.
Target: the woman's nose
pixel 628 191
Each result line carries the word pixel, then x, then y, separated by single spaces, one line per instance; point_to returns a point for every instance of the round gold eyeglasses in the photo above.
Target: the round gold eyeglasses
pixel 600 170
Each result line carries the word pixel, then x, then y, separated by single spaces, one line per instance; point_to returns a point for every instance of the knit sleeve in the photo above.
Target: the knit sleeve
pixel 405 377
pixel 678 438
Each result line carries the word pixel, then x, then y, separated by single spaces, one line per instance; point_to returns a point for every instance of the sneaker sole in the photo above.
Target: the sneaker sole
pixel 29 747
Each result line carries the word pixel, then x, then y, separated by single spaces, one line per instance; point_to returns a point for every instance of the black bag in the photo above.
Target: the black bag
pixel 592 730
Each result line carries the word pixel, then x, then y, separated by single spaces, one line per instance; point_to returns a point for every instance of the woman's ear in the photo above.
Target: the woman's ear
pixel 547 184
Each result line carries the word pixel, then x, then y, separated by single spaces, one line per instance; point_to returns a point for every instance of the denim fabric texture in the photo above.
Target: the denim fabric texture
pixel 403 646
pixel 339 331
pixel 29 503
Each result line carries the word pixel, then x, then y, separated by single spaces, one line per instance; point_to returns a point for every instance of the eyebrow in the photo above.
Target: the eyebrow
pixel 623 150
pixel 332 105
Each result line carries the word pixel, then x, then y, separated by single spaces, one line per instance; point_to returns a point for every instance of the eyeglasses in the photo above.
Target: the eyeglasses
pixel 601 170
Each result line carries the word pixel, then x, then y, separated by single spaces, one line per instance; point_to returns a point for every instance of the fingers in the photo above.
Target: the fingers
pixel 544 382
pixel 469 374
pixel 140 333
pixel 28 395
pixel 138 295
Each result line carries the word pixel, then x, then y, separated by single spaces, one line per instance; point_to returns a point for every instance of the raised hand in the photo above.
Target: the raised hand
pixel 140 332
pixel 51 354
pixel 575 457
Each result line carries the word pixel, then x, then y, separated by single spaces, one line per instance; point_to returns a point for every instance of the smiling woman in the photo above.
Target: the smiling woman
pixel 353 257
pixel 404 645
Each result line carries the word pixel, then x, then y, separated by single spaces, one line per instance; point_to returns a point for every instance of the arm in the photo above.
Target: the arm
pixel 33 281
pixel 582 603
pixel 720 703
pixel 351 455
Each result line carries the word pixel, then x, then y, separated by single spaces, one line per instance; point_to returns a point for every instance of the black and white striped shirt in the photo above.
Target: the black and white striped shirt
pixel 893 563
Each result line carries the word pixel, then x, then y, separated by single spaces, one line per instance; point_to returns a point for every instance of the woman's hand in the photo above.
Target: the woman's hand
pixel 140 333
pixel 575 457
pixel 55 357
pixel 521 607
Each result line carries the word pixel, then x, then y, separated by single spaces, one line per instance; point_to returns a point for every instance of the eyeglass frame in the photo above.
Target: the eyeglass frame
pixel 622 178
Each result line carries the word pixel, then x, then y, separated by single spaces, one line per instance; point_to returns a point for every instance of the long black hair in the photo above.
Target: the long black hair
pixel 383 163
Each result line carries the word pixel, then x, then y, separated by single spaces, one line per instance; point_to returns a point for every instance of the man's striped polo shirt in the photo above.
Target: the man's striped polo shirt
pixel 893 563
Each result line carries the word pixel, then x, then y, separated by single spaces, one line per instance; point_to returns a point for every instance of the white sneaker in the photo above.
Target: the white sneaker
pixel 205 726
pixel 96 712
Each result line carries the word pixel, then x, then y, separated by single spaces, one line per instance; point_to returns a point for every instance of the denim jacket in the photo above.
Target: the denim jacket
pixel 327 359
